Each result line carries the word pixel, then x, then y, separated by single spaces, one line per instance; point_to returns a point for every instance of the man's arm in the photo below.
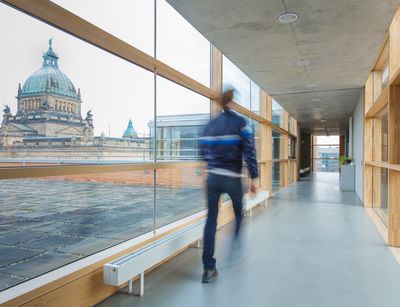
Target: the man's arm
pixel 249 151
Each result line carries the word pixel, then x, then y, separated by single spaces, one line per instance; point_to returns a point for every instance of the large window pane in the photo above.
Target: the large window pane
pixel 277 113
pixel 233 77
pixel 68 108
pixel 181 117
pixel 255 127
pixel 40 232
pixel 276 176
pixel 180 45
pixel 276 145
pixel 292 148
pixel 131 21
pixel 179 193
pixel 255 97
pixel 380 193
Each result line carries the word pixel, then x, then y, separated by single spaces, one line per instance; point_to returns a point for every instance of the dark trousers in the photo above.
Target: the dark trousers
pixel 216 185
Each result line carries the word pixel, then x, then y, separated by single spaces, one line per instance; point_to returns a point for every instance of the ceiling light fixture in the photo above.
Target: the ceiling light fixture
pixel 311 85
pixel 316 99
pixel 288 17
pixel 303 63
pixel 323 120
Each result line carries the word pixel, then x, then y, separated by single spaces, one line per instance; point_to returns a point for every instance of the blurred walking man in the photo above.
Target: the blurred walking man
pixel 227 140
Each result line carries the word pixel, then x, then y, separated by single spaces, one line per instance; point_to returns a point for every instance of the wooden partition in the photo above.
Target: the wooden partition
pixel 382 134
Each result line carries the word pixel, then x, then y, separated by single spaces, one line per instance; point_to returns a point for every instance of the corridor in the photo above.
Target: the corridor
pixel 312 246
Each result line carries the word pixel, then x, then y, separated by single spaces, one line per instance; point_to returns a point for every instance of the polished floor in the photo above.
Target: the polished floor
pixel 312 246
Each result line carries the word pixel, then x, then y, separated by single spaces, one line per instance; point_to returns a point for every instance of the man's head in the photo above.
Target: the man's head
pixel 227 97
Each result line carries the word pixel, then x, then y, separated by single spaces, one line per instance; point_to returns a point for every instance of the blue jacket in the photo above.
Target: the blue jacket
pixel 226 141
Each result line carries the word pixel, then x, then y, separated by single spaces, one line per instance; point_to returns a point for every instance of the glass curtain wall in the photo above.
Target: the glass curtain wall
pixel 70 102
pixel 71 110
pixel 277 113
pixel 234 78
pixel 276 169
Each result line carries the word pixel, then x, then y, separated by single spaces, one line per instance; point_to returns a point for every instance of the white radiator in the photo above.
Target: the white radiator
pixel 124 269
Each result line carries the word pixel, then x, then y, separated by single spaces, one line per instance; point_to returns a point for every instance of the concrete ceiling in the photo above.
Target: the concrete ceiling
pixel 339 38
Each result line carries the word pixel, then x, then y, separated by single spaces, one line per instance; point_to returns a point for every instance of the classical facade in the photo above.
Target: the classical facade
pixel 48 123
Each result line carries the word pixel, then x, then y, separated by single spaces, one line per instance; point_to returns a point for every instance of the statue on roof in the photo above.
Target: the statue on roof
pixel 6 109
pixel 89 118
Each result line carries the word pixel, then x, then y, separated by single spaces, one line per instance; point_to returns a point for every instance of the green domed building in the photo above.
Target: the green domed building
pixel 48 106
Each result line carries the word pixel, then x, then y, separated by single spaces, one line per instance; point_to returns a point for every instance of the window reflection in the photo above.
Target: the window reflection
pixel 131 21
pixel 277 113
pixel 234 77
pixel 181 117
pixel 180 45
pixel 67 110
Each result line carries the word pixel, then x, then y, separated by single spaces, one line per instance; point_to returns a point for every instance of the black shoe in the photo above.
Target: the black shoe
pixel 209 275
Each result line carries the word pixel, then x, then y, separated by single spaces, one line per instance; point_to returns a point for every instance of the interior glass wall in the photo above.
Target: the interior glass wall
pixel 381 136
pixel 380 193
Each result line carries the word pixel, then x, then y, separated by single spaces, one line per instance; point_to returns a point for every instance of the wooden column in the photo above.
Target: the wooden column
pixel 394 175
pixel 266 143
pixel 216 79
pixel 394 209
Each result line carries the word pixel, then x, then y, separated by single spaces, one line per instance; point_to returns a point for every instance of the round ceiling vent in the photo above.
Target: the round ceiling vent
pixel 288 17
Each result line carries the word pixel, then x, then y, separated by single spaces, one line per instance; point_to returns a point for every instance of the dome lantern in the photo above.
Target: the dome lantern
pixel 50 58
pixel 49 80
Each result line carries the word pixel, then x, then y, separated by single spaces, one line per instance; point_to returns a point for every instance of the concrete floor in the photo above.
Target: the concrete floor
pixel 313 246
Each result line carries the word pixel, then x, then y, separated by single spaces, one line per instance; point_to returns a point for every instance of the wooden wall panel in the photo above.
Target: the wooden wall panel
pixel 368 93
pixel 368 173
pixel 377 139
pixel 216 78
pixel 394 209
pixel 394 45
pixel 376 187
pixel 394 125
pixel 285 120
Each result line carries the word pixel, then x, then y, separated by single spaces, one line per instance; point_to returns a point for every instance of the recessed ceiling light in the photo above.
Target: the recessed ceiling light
pixel 303 63
pixel 288 17
pixel 323 120
pixel 316 99
pixel 311 85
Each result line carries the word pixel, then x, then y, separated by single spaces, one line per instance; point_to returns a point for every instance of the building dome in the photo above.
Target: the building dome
pixel 49 79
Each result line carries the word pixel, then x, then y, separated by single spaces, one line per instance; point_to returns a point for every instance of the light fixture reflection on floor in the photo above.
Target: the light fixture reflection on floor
pixel 288 17
pixel 303 63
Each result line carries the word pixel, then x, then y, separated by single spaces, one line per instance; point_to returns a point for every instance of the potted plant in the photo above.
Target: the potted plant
pixel 344 160
pixel 346 173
